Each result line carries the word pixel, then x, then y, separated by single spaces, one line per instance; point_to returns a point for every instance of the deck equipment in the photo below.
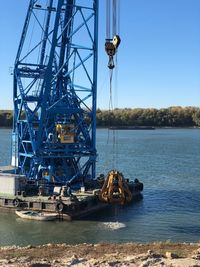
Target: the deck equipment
pixel 115 189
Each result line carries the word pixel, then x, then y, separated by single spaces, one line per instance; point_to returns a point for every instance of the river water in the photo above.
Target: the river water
pixel 167 161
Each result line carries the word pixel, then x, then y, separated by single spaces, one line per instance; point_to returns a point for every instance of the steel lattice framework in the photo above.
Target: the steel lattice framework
pixel 55 80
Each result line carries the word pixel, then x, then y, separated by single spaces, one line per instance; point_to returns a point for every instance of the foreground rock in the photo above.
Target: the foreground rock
pixel 129 254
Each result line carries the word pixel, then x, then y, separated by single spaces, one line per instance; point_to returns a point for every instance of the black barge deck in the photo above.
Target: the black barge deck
pixel 79 204
pixel 82 205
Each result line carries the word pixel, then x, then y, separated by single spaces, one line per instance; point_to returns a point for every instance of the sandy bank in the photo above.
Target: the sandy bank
pixel 129 254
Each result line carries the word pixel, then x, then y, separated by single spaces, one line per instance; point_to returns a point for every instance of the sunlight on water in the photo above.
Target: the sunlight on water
pixel 113 225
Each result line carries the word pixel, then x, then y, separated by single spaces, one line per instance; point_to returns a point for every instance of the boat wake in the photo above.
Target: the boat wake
pixel 113 225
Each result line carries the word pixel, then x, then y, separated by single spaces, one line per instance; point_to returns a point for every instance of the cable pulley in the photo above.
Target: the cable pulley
pixel 111 46
pixel 112 42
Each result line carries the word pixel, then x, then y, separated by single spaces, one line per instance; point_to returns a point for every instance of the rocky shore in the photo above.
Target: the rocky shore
pixel 129 254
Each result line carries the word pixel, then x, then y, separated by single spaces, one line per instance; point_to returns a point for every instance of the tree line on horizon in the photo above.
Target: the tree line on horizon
pixel 164 117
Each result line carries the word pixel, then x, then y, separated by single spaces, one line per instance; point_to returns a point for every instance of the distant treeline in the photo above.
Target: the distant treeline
pixel 165 117
pixel 6 118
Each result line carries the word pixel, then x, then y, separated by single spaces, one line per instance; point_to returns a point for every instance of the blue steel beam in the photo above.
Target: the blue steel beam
pixel 48 94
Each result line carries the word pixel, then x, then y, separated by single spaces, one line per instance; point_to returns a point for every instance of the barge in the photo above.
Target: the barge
pixel 16 193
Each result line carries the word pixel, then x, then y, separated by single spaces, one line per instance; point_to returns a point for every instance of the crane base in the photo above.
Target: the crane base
pixel 79 204
pixel 87 204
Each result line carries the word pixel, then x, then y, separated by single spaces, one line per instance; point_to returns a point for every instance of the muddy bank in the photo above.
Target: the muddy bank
pixel 129 254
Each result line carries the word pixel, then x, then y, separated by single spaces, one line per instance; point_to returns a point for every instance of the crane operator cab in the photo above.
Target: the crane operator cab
pixel 65 133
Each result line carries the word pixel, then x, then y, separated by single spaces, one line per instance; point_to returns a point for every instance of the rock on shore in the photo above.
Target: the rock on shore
pixel 129 254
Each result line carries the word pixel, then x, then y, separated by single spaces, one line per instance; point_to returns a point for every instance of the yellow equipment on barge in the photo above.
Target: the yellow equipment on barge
pixel 115 189
pixel 17 193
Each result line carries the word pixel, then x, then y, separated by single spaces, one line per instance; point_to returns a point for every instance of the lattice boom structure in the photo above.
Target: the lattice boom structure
pixel 55 80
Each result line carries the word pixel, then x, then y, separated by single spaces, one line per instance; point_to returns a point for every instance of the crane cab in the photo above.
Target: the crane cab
pixel 65 133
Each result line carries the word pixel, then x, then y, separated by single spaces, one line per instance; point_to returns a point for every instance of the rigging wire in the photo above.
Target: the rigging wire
pixel 118 17
pixel 116 105
pixel 108 11
pixel 110 91
pixel 115 24
pixel 114 19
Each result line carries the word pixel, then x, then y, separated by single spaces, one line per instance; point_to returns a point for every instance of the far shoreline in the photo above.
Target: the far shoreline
pixel 132 127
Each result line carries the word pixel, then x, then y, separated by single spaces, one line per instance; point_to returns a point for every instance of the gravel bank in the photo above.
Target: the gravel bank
pixel 129 254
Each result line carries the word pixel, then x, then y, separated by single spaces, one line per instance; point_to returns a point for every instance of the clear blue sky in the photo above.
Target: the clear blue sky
pixel 158 60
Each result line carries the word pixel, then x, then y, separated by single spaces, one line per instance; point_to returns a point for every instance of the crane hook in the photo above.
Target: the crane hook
pixel 111 46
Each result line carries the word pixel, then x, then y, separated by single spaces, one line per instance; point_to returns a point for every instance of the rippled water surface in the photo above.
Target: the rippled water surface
pixel 167 161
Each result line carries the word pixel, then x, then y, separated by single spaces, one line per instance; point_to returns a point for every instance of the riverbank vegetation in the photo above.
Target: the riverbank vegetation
pixel 164 117
pixel 6 118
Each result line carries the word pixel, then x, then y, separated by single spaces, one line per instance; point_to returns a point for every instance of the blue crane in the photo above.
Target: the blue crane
pixel 55 88
pixel 55 85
